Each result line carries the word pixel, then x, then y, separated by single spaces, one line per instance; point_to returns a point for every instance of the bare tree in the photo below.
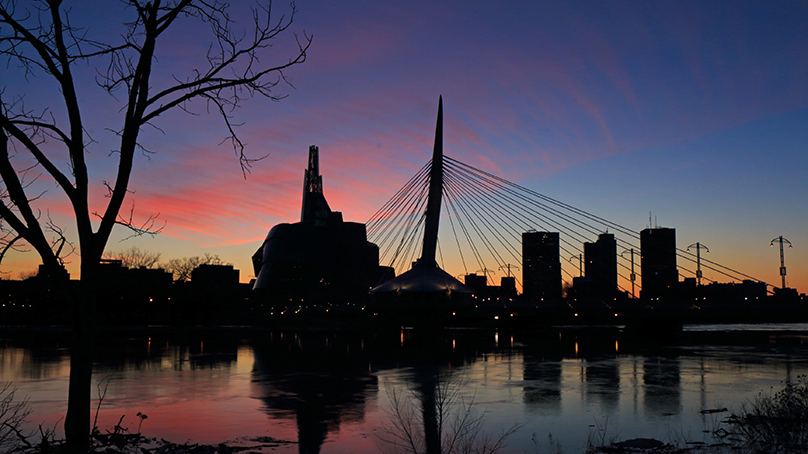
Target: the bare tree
pixel 48 46
pixel 438 417
pixel 134 257
pixel 28 274
pixel 182 268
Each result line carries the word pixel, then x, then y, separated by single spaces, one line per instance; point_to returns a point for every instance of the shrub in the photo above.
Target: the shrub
pixel 776 423
pixel 12 415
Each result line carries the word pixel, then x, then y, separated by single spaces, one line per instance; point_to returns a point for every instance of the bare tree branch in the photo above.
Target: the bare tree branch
pixel 9 245
pixel 41 40
pixel 148 227
pixel 182 268
pixel 458 423
pixel 134 257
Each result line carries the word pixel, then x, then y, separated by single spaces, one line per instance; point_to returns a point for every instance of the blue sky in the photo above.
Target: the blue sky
pixel 695 111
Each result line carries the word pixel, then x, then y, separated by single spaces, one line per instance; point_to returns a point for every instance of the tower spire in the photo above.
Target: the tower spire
pixel 314 207
pixel 435 195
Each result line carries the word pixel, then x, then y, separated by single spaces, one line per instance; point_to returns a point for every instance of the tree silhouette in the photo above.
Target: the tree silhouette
pixel 438 416
pixel 134 257
pixel 182 268
pixel 47 46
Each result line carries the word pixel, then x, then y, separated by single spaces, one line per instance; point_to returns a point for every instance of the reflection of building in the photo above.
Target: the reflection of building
pixel 600 260
pixel 658 262
pixel 320 257
pixel 541 267
pixel 662 385
pixel 602 378
pixel 542 376
pixel 320 381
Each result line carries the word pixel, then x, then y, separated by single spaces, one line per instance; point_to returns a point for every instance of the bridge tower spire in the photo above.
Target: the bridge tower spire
pixel 435 194
pixel 426 277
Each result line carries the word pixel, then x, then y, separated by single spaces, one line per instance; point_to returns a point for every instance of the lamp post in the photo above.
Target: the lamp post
pixel 781 240
pixel 632 277
pixel 580 264
pixel 698 247
pixel 508 266
pixel 486 272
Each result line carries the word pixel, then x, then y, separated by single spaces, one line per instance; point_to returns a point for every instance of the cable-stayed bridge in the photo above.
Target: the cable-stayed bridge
pixel 487 216
pixel 484 218
pixel 436 247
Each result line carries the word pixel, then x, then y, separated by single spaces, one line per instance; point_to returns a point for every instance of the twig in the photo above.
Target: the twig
pixel 19 434
pixel 101 397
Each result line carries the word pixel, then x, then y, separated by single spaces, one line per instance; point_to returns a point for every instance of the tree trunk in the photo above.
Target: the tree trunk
pixel 77 422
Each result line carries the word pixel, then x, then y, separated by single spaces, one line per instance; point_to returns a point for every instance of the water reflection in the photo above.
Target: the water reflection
pixel 318 380
pixel 324 380
pixel 661 382
pixel 329 391
pixel 542 389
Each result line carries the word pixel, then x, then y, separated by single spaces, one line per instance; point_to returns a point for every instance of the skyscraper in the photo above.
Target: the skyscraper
pixel 658 262
pixel 541 265
pixel 600 260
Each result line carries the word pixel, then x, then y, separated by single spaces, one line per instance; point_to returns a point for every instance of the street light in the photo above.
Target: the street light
pixel 509 266
pixel 580 263
pixel 632 277
pixel 782 240
pixel 698 247
pixel 486 271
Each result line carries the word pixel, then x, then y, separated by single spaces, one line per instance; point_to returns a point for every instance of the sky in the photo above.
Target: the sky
pixel 694 111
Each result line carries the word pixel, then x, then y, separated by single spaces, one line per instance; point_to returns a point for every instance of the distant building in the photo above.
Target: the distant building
pixel 46 273
pixel 658 262
pixel 600 260
pixel 215 276
pixel 132 295
pixel 747 289
pixel 320 258
pixel 507 285
pixel 477 282
pixel 541 265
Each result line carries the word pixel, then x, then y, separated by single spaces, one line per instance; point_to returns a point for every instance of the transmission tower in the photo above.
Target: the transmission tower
pixel 782 240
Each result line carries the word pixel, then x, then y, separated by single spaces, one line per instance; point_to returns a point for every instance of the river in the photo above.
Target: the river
pixel 332 392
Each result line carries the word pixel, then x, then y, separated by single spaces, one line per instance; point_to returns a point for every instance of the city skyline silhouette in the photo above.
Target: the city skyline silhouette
pixel 694 114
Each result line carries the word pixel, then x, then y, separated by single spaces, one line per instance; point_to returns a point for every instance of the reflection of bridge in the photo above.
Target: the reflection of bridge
pixel 498 225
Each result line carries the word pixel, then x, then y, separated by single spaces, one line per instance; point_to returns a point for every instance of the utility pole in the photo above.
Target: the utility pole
pixel 632 277
pixel 782 240
pixel 698 247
